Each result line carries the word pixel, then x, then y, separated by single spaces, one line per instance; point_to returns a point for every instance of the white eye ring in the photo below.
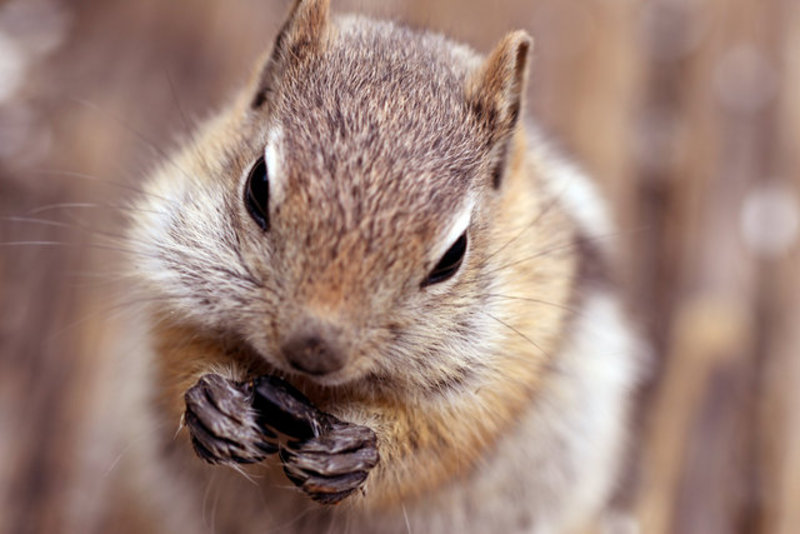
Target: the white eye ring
pixel 273 157
pixel 450 263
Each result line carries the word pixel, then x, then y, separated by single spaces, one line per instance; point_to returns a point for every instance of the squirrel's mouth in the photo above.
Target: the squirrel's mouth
pixel 341 384
pixel 347 382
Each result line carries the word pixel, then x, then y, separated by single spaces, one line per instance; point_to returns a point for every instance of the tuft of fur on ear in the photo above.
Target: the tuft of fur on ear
pixel 303 34
pixel 495 91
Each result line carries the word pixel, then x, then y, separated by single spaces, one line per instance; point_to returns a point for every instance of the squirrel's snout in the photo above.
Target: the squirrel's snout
pixel 313 353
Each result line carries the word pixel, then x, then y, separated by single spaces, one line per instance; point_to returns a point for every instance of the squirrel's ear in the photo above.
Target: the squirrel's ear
pixel 495 89
pixel 302 35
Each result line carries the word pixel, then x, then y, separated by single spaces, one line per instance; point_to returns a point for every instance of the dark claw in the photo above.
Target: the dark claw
pixel 202 452
pixel 342 437
pixel 222 423
pixel 322 485
pixel 327 490
pixel 267 447
pixel 330 498
pixel 331 466
pixel 203 411
pixel 210 447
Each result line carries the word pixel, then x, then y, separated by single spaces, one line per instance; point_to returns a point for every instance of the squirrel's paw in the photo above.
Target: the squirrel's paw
pixel 234 422
pixel 327 458
pixel 222 423
pixel 334 464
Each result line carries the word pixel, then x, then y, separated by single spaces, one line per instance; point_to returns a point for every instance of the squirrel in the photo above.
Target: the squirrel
pixel 372 221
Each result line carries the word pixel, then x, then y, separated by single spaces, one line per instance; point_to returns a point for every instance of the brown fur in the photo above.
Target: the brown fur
pixel 385 133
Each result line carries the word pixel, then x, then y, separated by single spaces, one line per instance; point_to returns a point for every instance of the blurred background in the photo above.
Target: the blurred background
pixel 686 111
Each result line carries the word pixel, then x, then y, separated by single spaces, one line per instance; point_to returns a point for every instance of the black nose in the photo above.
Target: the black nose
pixel 313 355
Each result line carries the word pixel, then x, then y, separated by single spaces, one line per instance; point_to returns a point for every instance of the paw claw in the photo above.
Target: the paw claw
pixel 331 466
pixel 222 423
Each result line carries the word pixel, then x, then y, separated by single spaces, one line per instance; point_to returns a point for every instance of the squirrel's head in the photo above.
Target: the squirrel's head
pixel 340 216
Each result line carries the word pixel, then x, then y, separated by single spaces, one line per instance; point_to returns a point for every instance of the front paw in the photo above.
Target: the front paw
pixel 222 423
pixel 334 464
pixel 325 457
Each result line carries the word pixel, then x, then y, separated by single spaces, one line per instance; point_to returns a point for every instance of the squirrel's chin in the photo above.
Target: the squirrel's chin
pixel 341 378
pixel 341 384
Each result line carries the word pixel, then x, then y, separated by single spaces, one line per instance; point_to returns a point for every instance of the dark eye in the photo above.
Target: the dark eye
pixel 449 263
pixel 256 196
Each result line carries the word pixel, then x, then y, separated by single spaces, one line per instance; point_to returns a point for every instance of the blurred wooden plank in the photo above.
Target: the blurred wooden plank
pixel 709 338
pixel 706 460
pixel 779 414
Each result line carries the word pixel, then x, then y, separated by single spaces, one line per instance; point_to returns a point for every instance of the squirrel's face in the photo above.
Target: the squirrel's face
pixel 338 218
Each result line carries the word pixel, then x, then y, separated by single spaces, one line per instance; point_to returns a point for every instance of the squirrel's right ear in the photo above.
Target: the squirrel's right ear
pixel 302 35
pixel 495 89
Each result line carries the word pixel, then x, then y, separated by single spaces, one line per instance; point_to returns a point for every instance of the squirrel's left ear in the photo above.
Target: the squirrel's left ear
pixel 495 90
pixel 302 35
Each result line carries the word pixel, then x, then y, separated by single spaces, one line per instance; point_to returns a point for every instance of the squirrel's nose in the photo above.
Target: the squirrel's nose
pixel 312 354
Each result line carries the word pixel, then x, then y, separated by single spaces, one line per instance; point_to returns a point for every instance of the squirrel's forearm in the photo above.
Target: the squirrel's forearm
pixel 183 357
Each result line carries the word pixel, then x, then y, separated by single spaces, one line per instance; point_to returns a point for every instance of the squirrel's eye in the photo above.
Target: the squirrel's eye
pixel 449 263
pixel 256 196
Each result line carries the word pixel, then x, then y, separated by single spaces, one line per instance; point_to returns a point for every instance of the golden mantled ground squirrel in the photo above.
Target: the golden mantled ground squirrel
pixel 371 221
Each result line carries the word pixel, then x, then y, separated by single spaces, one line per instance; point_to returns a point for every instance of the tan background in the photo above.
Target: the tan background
pixel 687 112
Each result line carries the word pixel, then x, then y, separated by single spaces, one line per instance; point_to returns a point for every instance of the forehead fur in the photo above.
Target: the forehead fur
pixel 378 122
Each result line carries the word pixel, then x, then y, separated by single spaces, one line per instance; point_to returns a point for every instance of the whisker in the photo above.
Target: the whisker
pixel 539 216
pixel 239 469
pixel 103 181
pixel 61 224
pixel 515 330
pixel 91 205
pixel 141 137
pixel 206 495
pixel 286 524
pixel 109 312
pixel 60 205
pixel 34 220
pixel 181 112
pixel 214 512
pixel 33 243
pixel 127 446
pixel 131 252
pixel 535 301
pixel 564 244
pixel 97 274
pixel 405 517
pixel 113 237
